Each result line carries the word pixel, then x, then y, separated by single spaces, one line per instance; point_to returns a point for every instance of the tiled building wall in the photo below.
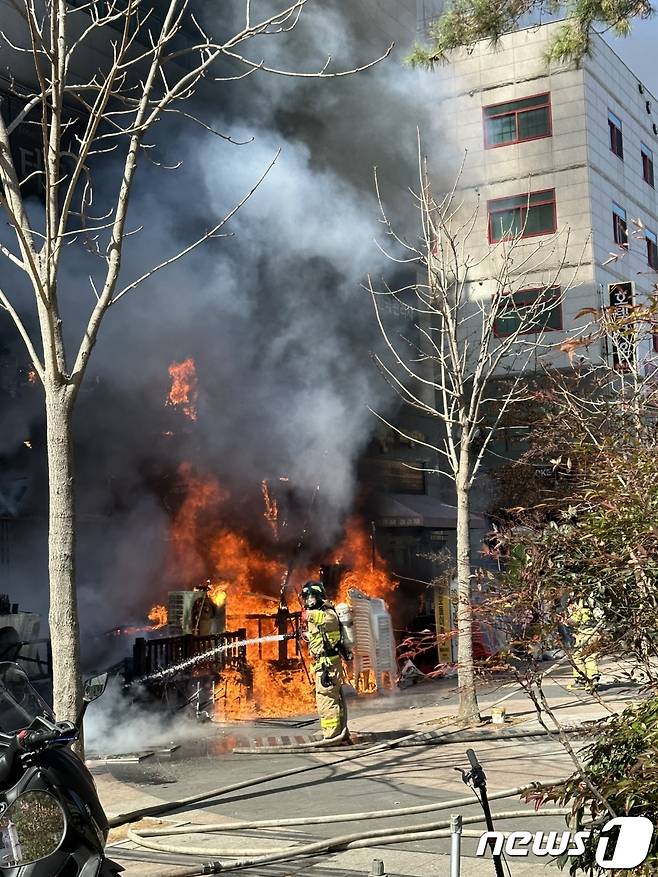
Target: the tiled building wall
pixel 576 160
pixel 517 69
pixel 427 12
pixel 611 86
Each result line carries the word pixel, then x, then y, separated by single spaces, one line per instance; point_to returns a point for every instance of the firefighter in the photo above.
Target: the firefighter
pixel 585 665
pixel 324 641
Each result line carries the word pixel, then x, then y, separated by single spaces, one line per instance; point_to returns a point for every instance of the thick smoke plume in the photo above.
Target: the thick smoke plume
pixel 274 315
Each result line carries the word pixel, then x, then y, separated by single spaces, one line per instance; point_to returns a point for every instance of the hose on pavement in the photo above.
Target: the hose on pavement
pixel 433 738
pixel 422 737
pixel 211 794
pixel 357 840
pixel 216 827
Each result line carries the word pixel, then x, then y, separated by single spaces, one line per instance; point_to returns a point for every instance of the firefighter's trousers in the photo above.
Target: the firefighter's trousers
pixel 330 701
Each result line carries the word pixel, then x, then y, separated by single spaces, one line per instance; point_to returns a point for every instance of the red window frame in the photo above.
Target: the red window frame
pixel 555 292
pixel 616 135
pixel 523 207
pixel 647 165
pixel 515 113
pixel 619 227
pixel 652 249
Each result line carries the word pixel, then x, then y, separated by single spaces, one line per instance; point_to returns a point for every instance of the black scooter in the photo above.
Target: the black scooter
pixel 52 823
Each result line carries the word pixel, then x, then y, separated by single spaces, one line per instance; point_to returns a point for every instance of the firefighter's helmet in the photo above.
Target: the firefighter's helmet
pixel 313 594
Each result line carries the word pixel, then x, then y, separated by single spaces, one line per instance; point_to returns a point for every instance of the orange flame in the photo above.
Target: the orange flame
pixel 246 579
pixel 183 393
pixel 217 594
pixel 158 616
pixel 367 570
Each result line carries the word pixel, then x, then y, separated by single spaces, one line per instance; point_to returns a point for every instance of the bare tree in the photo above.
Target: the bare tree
pixel 465 367
pixel 154 58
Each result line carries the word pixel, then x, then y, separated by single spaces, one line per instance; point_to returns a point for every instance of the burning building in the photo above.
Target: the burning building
pixel 245 618
pixel 258 375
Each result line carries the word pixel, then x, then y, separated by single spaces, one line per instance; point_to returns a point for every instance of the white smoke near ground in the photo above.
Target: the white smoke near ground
pixel 115 726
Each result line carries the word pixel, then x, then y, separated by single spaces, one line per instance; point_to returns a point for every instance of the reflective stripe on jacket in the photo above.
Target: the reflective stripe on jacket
pixel 324 636
pixel 581 615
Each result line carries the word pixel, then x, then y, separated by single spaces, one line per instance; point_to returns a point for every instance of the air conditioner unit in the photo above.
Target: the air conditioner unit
pixel 180 610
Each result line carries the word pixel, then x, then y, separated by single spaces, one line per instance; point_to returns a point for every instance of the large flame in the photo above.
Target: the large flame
pixel 366 569
pixel 217 594
pixel 247 579
pixel 183 392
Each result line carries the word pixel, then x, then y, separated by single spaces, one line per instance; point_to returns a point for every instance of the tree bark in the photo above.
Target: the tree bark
pixel 468 705
pixel 63 615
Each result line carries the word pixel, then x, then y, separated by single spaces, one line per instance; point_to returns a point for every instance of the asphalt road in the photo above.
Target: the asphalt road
pixel 398 778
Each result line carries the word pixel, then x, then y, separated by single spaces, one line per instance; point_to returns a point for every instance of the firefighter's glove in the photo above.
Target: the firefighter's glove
pixel 325 679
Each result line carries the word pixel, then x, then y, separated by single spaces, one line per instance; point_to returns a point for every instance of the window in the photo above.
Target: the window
pixel 655 342
pixel 616 137
pixel 619 228
pixel 525 215
pixel 652 249
pixel 647 163
pixel 515 121
pixel 537 310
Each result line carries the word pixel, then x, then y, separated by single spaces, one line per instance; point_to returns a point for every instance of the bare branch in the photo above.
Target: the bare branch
pixel 320 74
pixel 22 331
pixel 209 234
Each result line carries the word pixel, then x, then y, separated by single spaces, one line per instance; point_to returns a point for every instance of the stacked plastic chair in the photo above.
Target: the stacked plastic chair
pixel 375 665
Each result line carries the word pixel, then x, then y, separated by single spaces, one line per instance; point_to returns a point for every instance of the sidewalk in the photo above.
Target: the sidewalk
pixel 401 777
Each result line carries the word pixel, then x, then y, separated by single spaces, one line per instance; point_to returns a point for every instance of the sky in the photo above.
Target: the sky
pixel 638 51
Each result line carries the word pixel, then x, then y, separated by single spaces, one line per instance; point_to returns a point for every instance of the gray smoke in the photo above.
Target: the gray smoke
pixel 274 315
pixel 116 726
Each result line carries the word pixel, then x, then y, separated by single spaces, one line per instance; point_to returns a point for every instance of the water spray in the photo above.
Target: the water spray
pixel 166 672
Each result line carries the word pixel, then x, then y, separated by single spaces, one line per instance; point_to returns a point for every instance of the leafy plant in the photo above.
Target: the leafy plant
pixel 467 21
pixel 622 766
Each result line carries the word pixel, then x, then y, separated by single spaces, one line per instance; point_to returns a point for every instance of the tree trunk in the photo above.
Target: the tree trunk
pixel 468 705
pixel 63 616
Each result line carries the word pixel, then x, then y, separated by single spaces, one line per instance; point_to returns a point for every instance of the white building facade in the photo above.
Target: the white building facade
pixel 565 154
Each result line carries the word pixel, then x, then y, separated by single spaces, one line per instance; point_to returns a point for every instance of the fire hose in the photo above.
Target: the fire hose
pixel 426 738
pixel 415 832
pixel 172 806
pixel 247 858
pixel 419 736
pixel 359 840
pixel 216 827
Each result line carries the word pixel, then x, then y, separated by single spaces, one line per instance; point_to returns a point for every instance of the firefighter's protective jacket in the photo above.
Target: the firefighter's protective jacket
pixel 584 615
pixel 324 636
